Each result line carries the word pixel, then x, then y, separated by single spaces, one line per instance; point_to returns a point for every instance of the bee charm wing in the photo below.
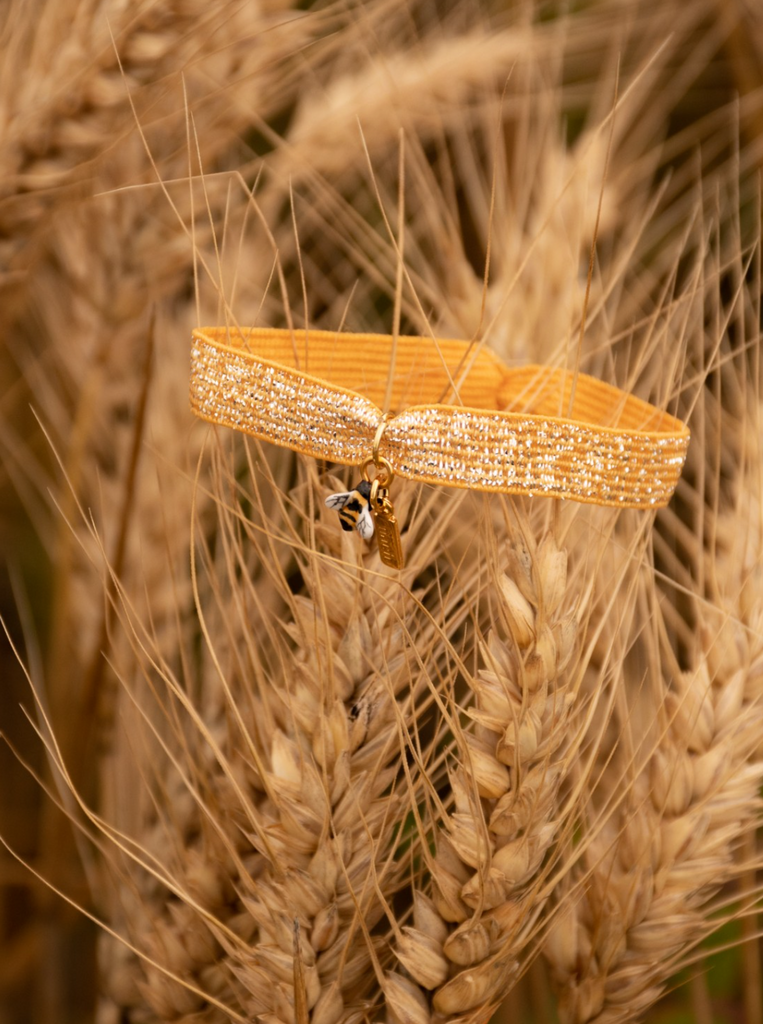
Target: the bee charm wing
pixel 365 523
pixel 338 500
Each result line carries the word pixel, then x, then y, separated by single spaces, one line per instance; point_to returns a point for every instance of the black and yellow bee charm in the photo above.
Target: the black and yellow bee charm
pixel 368 509
pixel 354 509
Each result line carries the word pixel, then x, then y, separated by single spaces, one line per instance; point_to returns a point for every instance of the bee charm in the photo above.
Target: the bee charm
pixel 366 508
pixel 354 509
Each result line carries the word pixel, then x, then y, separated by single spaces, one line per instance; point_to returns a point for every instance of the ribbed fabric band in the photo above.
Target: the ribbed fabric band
pixel 321 393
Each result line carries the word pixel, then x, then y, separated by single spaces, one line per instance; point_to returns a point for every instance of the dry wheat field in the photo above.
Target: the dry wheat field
pixel 250 774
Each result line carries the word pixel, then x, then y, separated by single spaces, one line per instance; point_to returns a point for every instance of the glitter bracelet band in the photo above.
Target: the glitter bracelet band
pixel 507 430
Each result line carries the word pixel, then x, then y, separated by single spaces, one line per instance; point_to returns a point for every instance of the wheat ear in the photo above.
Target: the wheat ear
pixel 508 766
pixel 290 802
pixel 688 760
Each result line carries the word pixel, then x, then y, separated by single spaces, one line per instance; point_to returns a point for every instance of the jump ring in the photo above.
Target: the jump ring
pixel 379 463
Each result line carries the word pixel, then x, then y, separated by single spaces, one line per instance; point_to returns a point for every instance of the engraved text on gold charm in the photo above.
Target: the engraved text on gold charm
pixel 388 533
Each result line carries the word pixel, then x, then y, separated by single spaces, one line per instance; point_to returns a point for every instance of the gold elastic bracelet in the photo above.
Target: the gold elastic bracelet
pixel 507 430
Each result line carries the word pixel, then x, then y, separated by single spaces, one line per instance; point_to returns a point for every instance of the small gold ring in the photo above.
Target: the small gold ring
pixel 383 471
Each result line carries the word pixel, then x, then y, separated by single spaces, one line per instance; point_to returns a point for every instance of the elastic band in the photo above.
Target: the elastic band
pixel 506 430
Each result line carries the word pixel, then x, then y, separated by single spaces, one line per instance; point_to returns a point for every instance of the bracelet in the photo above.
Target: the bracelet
pixel 321 393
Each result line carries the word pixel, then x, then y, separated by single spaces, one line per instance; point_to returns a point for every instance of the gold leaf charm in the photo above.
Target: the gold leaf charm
pixel 387 531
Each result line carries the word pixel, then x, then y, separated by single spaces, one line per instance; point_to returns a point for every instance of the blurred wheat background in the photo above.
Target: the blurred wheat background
pixel 523 777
